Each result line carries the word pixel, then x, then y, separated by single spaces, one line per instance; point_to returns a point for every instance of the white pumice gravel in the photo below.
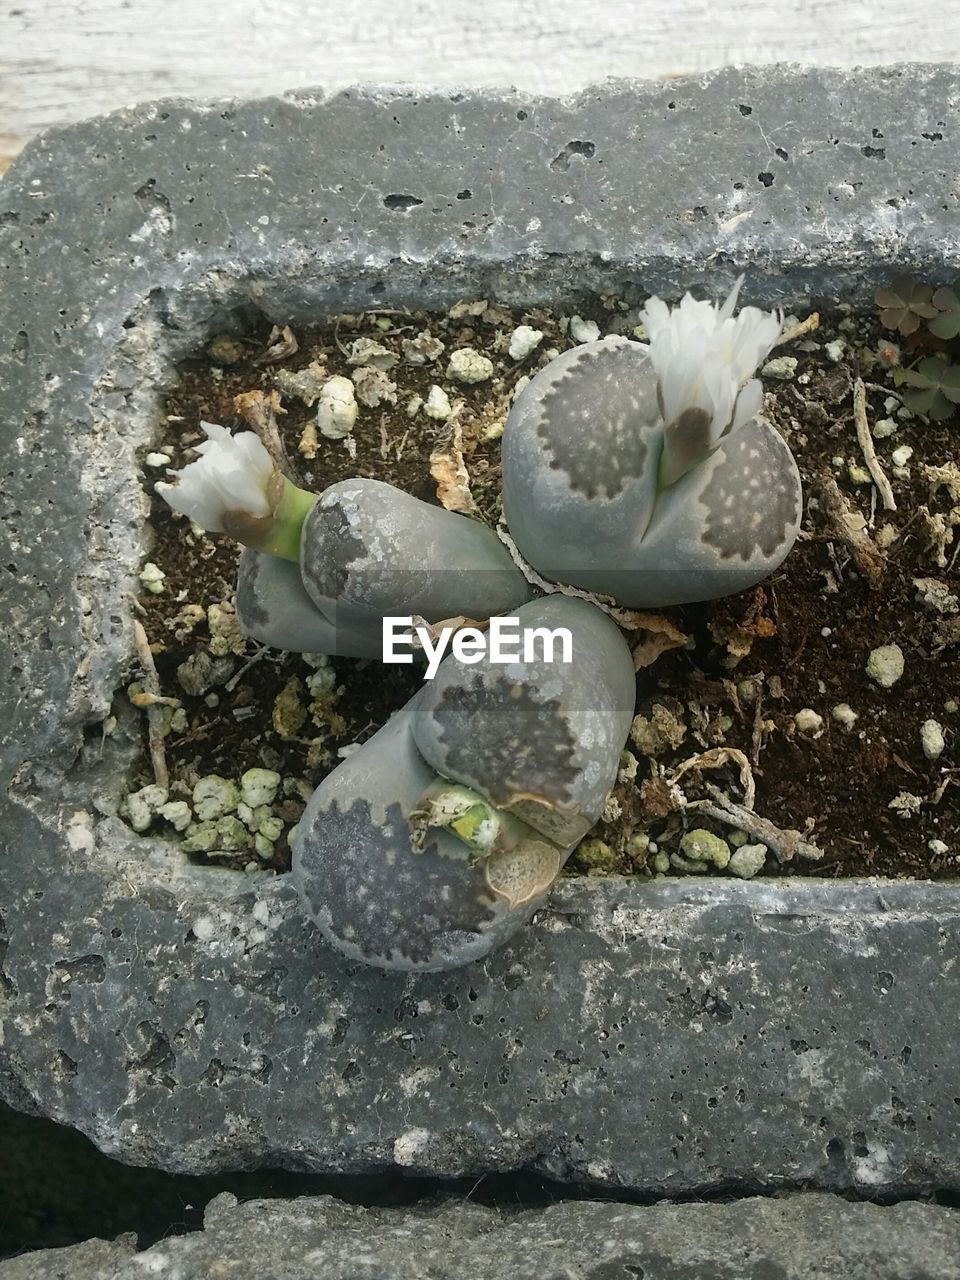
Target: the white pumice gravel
pixel 931 739
pixel 467 365
pixel 259 786
pixel 809 721
pixel 214 796
pixel 885 665
pixel 523 340
pixel 845 716
pixel 747 861
pixel 438 404
pixel 337 408
pixel 781 367
pixel 584 330
pixel 152 577
pixel 141 806
pixel 905 803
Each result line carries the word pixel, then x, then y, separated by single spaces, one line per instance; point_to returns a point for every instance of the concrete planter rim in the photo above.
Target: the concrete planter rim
pixel 114 278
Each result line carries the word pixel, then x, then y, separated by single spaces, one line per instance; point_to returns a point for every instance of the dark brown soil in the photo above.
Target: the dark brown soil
pixel 808 631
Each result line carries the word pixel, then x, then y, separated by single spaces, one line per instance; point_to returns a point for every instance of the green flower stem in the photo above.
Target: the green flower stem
pixel 277 534
pixel 283 539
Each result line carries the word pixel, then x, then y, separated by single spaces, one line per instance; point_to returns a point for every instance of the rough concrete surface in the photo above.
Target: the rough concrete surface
pixel 60 62
pixel 800 1237
pixel 670 1036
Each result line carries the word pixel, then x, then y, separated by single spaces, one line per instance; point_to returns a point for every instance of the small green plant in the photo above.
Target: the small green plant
pixel 934 387
pixel 946 324
pixel 904 305
pixel 930 319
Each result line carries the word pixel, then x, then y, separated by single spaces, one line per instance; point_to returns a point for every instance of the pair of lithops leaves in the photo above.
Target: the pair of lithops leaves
pixel 645 472
pixel 640 473
pixel 438 838
pixel 441 835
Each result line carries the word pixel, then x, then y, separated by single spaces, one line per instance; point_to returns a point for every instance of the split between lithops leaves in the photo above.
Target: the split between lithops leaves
pixel 644 472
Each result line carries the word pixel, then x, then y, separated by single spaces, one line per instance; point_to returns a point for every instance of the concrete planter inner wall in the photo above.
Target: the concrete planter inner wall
pixel 673 1036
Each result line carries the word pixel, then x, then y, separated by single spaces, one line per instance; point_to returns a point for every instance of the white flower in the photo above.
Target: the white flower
pixel 231 474
pixel 704 360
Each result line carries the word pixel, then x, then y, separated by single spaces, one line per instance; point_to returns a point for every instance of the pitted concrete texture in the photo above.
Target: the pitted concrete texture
pixel 800 1237
pixel 670 1036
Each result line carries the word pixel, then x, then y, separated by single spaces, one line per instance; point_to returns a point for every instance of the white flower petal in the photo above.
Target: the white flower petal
pixel 749 404
pixel 231 474
pixel 703 356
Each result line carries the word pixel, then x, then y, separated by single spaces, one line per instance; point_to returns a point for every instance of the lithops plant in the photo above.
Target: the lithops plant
pixel 274 608
pixel 642 472
pixel 645 472
pixel 360 551
pixel 439 838
pixel 369 550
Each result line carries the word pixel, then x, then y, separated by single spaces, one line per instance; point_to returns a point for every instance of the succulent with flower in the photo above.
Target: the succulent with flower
pixel 641 471
pixel 645 471
pixel 321 571
pixel 438 839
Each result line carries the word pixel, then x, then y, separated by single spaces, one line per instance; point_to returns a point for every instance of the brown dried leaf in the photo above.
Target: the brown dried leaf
pixel 946 633
pixel 662 636
pixel 281 344
pixel 450 472
pixel 660 798
pixel 739 634
pixel 436 629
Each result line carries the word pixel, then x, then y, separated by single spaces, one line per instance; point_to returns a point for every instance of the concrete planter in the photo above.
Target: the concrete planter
pixel 783 1238
pixel 674 1036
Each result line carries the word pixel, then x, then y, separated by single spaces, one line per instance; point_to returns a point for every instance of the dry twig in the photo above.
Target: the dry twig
pixel 850 528
pixel 865 440
pixel 259 411
pixel 151 682
pixel 784 845
pixel 795 331
pixel 716 758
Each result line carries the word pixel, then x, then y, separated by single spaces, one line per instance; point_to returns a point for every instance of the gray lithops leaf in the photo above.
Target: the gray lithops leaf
pixel 581 449
pixel 590 406
pixel 752 499
pixel 541 738
pixel 519 740
pixel 369 550
pixel 274 608
pixel 720 529
pixel 373 893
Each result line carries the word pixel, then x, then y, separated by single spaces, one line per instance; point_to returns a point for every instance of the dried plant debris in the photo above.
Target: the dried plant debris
pixel 766 730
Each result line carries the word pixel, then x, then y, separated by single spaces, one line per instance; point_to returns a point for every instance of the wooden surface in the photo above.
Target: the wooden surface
pixel 62 61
